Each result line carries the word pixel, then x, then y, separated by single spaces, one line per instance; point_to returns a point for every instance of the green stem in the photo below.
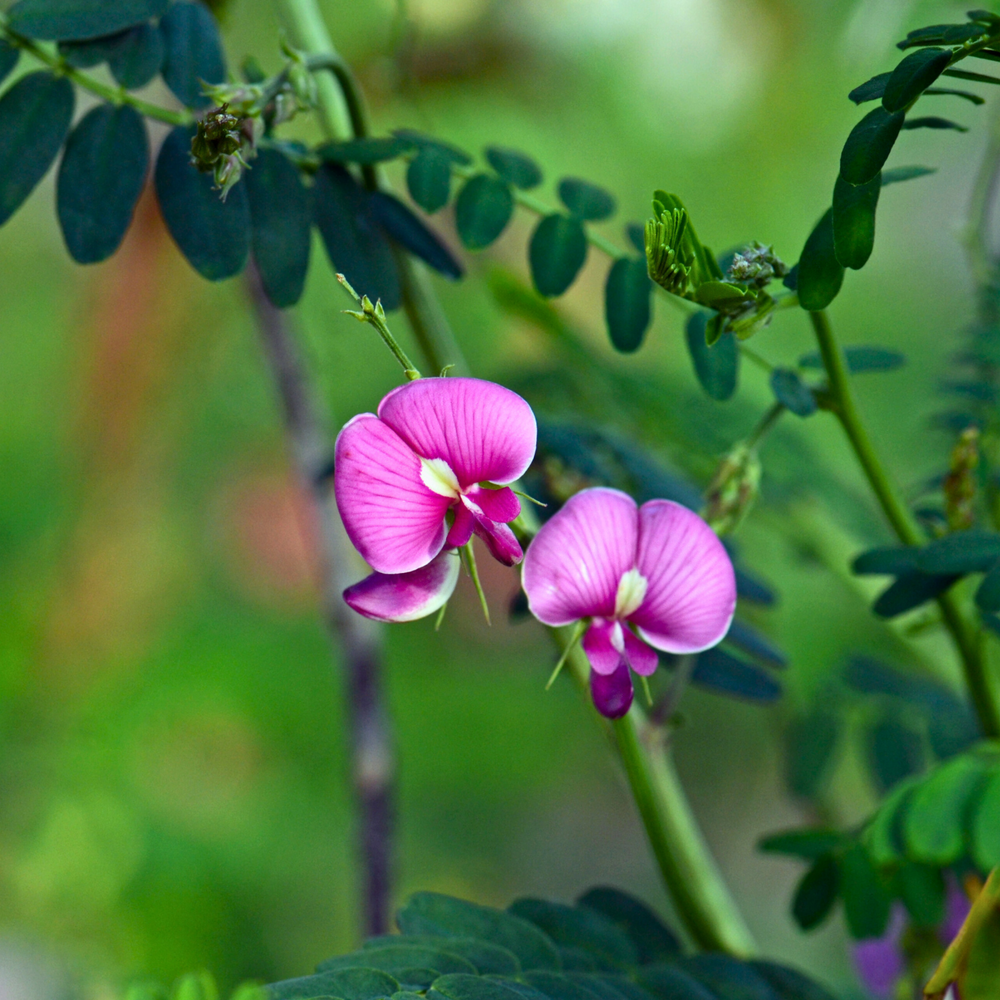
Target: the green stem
pixel 114 95
pixel 696 887
pixel 967 638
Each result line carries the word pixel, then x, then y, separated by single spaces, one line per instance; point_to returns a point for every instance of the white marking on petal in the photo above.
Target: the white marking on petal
pixel 437 475
pixel 631 593
pixel 618 638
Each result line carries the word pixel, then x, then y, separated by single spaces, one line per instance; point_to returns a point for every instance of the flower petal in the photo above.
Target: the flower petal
pixel 498 505
pixel 486 433
pixel 641 658
pixel 691 596
pixel 461 529
pixel 405 597
pixel 612 693
pixel 499 539
pixel 576 560
pixel 603 656
pixel 393 519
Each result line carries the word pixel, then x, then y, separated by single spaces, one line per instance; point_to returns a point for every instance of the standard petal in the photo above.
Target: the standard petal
pixel 691 595
pixel 486 433
pixel 612 693
pixel 641 658
pixel 499 539
pixel 393 519
pixel 498 505
pixel 405 597
pixel 603 656
pixel 576 560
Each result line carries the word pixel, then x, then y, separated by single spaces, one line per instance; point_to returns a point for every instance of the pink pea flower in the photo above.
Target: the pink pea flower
pixel 419 479
pixel 659 568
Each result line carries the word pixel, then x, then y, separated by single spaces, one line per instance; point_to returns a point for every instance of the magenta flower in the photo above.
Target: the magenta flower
pixel 659 568
pixel 421 478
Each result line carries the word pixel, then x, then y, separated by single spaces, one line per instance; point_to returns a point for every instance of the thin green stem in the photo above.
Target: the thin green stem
pixel 765 425
pixel 374 315
pixel 696 887
pixel 967 638
pixel 113 95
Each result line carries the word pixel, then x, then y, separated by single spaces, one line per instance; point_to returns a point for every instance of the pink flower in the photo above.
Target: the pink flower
pixel 420 478
pixel 659 568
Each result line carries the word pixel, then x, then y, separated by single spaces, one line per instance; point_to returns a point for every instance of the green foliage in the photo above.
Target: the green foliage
pixel 556 253
pixel 869 144
pixel 608 946
pixel 192 52
pixel 482 210
pixel 356 245
pixel 816 893
pixel 516 168
pixel 854 220
pixel 365 151
pixel 717 366
pixel 280 226
pixel 71 20
pixel 139 58
pixel 409 232
pixel 932 121
pixel 213 235
pixel 101 176
pixel 35 116
pixel 820 274
pixel 913 76
pixel 719 671
pixel 586 201
pixel 9 56
pixel 792 392
pixel 860 359
pixel 428 179
pixel 627 303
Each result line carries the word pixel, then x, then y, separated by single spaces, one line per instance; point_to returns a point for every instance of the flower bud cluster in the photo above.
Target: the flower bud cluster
pixel 222 145
pixel 960 483
pixel 757 266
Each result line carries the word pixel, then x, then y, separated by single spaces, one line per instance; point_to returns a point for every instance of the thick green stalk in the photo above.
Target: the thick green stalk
pixel 696 887
pixel 967 638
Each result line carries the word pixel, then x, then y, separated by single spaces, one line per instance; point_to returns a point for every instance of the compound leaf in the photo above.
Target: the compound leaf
pixel 913 76
pixel 628 303
pixel 428 178
pixel 407 230
pixel 482 210
pixel 73 20
pixel 585 200
pixel 556 253
pixel 854 220
pixel 192 52
pixel 138 58
pixel 869 144
pixel 820 274
pixel 517 169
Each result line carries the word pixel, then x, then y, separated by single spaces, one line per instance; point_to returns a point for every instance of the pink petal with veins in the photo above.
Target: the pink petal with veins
pixel 640 657
pixel 573 566
pixel 486 433
pixel 691 594
pixel 393 519
pixel 405 597
pixel 603 656
pixel 612 693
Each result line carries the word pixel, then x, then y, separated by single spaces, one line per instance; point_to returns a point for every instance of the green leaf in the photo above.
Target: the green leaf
pixel 398 957
pixel 754 644
pixel 9 55
pixel 866 900
pixel 984 829
pixel 860 359
pixel 820 274
pixel 364 151
pixel 723 673
pixel 192 52
pixel 883 834
pixel 101 176
pixel 868 146
pixel 854 220
pixel 422 141
pixel 717 367
pixel 898 174
pixel 635 233
pixel 913 76
pixel 355 243
pixel 949 92
pixel 934 823
pixel 895 752
pixel 934 34
pixel 628 303
pixel 870 90
pixel 139 57
pixel 72 20
pixel 428 178
pixel 910 591
pixel 921 888
pixel 432 913
pixel 816 893
pixel 810 745
pixel 575 960
pixel 347 984
pixel 585 200
pixel 668 982
pixel 988 593
pixel 557 252
pixel 625 987
pixel 35 115
pixel 579 927
pixel 973 551
pixel 281 223
pixel 810 845
pixel 792 392
pixel 482 210
pixel 728 977
pixel 721 294
pixel 652 939
pixel 409 232
pixel 515 168
pixel 788 983
pixel 460 987
pixel 213 235
pixel 92 52
pixel 933 122
pixel 556 986
pixel 964 74
pixel 889 561
pixel 487 958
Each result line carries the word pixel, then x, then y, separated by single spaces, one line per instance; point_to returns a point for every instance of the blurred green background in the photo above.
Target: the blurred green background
pixel 174 789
